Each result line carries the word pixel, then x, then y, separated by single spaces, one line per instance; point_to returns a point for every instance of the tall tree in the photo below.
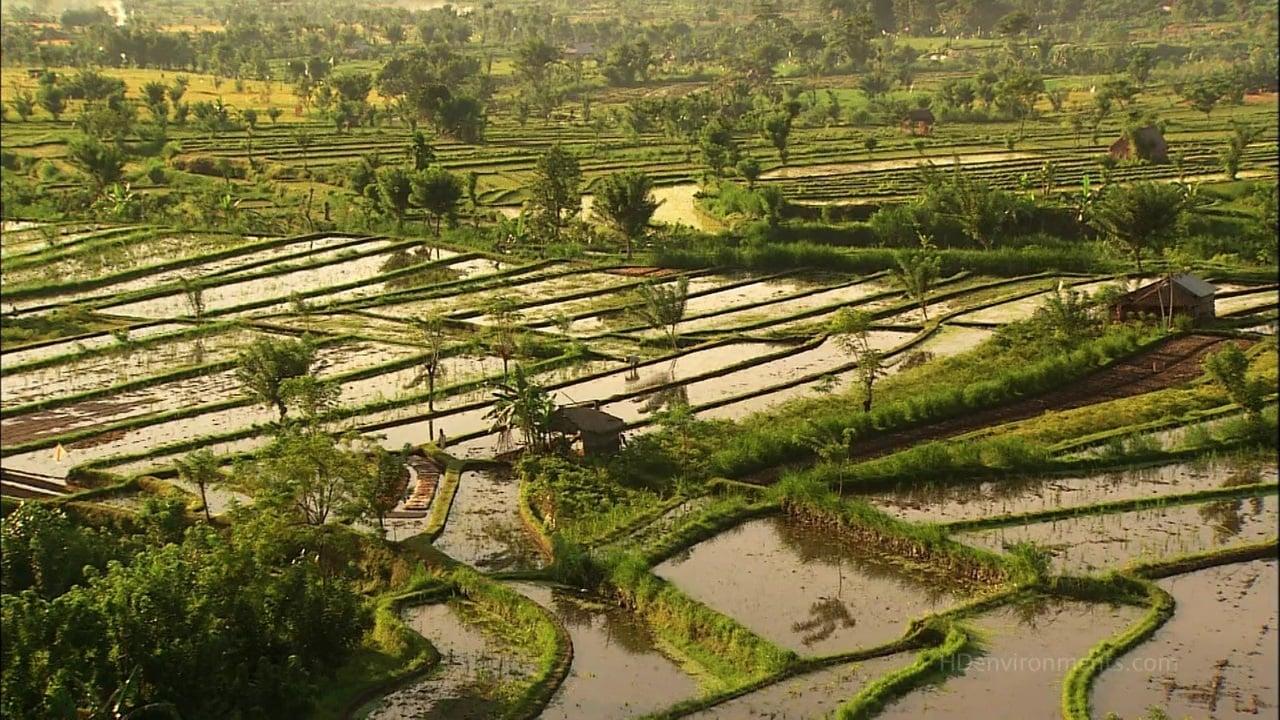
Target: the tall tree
pixel 201 469
pixel 395 189
pixel 266 363
pixel 104 162
pixel 1139 217
pixel 624 201
pixel 437 191
pixel 556 191
pixel 917 272
pixel 522 404
pixel 851 330
pixel 663 307
pixel 432 334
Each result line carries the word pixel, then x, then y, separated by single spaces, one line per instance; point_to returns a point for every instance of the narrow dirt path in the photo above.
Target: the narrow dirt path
pixel 1173 362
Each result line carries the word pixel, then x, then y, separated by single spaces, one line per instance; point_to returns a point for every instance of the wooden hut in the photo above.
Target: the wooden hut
pixel 600 432
pixel 1177 295
pixel 1151 146
pixel 919 121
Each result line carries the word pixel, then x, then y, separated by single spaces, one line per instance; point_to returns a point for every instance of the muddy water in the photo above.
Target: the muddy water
pixel 103 371
pixel 332 361
pixel 798 587
pixel 617 299
pixel 758 377
pixel 813 695
pixel 472 664
pixel 831 169
pixel 1097 542
pixel 1028 649
pixel 524 289
pixel 782 308
pixel 1215 658
pixel 484 529
pixel 1243 303
pixel 615 383
pixel 282 286
pixel 618 671
pixel 15 358
pixel 218 267
pixel 1006 497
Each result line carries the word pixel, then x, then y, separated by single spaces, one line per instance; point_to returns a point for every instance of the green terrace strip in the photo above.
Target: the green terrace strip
pixel 810 501
pixel 623 309
pixel 442 502
pixel 732 655
pixel 525 623
pixel 749 452
pixel 73 339
pixel 928 664
pixel 784 298
pixel 339 414
pixel 269 272
pixel 1190 418
pixel 1200 561
pixel 92 240
pixel 1112 507
pixel 517 273
pixel 194 331
pixel 59 288
pixel 579 294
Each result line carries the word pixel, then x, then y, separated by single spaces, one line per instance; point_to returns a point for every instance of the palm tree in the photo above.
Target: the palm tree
pixel 520 403
pixel 432 330
pixel 201 469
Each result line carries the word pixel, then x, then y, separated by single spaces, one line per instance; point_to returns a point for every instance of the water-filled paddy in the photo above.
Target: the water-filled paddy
pixel 1216 657
pixel 484 528
pixel 797 586
pixel 1093 543
pixel 618 670
pixel 1027 649
pixel 970 501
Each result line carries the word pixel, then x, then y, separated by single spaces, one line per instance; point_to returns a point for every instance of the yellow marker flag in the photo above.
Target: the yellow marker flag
pixel 58 452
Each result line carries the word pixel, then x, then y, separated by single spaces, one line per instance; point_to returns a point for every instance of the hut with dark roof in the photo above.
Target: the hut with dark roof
pixel 1146 143
pixel 919 121
pixel 1177 295
pixel 600 432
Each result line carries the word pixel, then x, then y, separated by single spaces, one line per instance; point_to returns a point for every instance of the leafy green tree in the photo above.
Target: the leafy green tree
pixel 520 403
pixel 504 323
pixel 663 307
pixel 437 191
pixel 432 334
pixel 1202 95
pixel 749 169
pixel 266 363
pixel 1241 135
pixel 312 475
pixel 917 272
pixel 556 191
pixel 624 201
pixel 851 330
pixel 1068 316
pixel 870 143
pixel 23 104
pixel 352 86
pixel 717 145
pixel 379 493
pixel 200 468
pixel 1139 217
pixel 155 95
pixel 53 99
pixel 104 162
pixel 776 128
pixel 420 151
pixel 1229 368
pixel 310 397
pixel 395 189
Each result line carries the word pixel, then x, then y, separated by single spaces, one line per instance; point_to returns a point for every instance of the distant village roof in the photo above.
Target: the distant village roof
pixel 582 418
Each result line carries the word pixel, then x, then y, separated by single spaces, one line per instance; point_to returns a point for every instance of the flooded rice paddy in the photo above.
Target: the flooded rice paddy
pixel 1026 651
pixel 474 664
pixel 815 694
pixel 1215 658
pixel 618 670
pixel 484 528
pixel 1094 543
pixel 971 501
pixel 793 584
